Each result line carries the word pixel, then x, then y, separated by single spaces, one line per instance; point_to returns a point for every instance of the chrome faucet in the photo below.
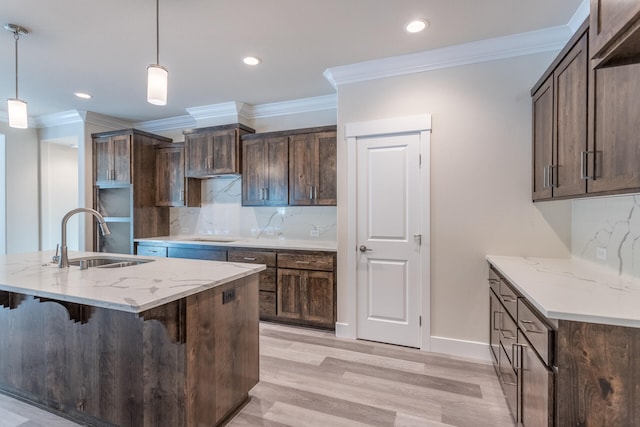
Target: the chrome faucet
pixel 64 259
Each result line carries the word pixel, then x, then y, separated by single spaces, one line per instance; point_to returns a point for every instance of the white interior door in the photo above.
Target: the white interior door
pixel 388 238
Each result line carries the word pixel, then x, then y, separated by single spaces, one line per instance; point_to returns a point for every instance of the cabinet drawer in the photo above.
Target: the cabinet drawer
pixel 152 250
pixel 537 331
pixel 508 333
pixel 306 262
pixel 494 281
pixel 252 257
pixel 509 380
pixel 267 303
pixel 206 254
pixel 267 279
pixel 509 298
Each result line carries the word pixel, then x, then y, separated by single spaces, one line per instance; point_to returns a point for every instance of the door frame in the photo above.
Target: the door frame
pixel 409 124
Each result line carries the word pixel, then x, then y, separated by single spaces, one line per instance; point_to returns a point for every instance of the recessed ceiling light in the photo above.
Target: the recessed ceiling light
pixel 82 95
pixel 416 26
pixel 251 60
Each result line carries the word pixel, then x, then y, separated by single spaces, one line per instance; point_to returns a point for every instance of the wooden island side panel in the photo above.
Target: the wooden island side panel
pixel 190 362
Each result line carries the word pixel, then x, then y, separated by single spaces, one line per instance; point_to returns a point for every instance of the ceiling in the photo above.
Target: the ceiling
pixel 104 47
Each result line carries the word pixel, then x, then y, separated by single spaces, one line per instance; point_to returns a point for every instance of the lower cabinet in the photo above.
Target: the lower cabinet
pixel 522 343
pixel 297 287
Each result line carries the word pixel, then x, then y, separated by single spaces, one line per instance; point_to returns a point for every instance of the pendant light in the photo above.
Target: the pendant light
pixel 17 109
pixel 157 75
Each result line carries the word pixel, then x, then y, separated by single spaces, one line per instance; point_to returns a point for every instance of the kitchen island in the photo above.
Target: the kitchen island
pixel 169 342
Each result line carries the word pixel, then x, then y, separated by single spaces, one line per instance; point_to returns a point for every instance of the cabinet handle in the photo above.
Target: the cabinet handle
pixel 516 355
pixel 315 192
pixel 311 192
pixel 182 195
pixel 508 337
pixel 303 262
pixel 266 193
pixel 584 164
pixel 529 322
pixel 545 177
pixel 249 258
pixel 508 298
pixel 262 194
pixel 552 176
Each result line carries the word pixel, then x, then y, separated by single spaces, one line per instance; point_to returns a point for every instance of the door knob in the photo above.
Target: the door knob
pixel 363 248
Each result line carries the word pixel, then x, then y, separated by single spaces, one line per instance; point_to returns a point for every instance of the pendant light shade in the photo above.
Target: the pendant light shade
pixel 157 75
pixel 16 108
pixel 157 79
pixel 17 113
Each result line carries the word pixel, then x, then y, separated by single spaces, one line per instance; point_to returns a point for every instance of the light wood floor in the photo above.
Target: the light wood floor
pixel 310 378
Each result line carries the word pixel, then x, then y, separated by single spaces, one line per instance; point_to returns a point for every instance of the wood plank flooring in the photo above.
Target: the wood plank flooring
pixel 311 378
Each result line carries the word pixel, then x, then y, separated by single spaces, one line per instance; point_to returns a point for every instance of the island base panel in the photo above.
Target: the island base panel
pixel 187 363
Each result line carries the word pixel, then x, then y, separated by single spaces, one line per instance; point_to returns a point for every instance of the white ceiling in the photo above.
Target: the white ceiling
pixel 104 47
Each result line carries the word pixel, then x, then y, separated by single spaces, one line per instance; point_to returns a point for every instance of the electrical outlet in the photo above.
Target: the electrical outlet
pixel 314 232
pixel 601 254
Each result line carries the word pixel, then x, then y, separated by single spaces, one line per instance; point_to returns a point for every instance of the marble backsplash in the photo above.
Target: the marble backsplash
pixel 606 231
pixel 222 214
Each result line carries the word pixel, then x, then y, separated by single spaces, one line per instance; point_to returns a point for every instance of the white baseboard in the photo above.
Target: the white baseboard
pixel 461 348
pixel 344 331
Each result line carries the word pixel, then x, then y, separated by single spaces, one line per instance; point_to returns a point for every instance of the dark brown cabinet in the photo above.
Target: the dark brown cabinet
pixel 306 293
pixel 172 187
pixel 214 150
pixel 560 124
pixel 125 188
pixel 112 159
pixel 522 343
pixel 265 171
pixel 615 32
pixel 267 278
pixel 312 169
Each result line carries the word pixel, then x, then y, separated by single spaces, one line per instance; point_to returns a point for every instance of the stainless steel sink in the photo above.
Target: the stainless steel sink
pixel 107 261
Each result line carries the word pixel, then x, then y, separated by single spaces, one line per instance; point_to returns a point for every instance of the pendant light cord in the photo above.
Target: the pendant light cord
pixel 16 36
pixel 158 32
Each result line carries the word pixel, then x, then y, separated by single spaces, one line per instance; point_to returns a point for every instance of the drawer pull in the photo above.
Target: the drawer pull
pixel 249 258
pixel 303 262
pixel 516 356
pixel 508 298
pixel 509 383
pixel 494 320
pixel 529 322
pixel 512 337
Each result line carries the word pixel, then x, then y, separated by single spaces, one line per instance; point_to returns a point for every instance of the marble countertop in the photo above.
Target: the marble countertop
pixel 571 289
pixel 246 242
pixel 133 289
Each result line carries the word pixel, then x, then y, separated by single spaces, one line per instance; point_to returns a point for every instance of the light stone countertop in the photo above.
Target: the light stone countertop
pixel 571 289
pixel 246 242
pixel 133 289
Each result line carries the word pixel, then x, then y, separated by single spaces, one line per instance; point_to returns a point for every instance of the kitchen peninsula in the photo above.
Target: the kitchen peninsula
pixel 167 342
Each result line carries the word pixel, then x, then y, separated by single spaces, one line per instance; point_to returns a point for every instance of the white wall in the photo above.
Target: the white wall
pixel 22 189
pixel 480 179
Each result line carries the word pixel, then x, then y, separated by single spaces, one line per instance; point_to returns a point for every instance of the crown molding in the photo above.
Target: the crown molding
pixel 172 123
pixel 59 119
pixel 579 17
pixel 214 111
pixel 305 105
pixel 108 122
pixel 549 39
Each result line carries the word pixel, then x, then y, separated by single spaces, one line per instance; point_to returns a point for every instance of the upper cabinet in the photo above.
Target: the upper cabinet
pixel 265 176
pixel 615 32
pixel 112 159
pixel 293 167
pixel 214 150
pixel 312 169
pixel 560 124
pixel 172 188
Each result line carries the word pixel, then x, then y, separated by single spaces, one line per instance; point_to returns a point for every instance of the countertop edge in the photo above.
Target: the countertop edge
pixel 243 242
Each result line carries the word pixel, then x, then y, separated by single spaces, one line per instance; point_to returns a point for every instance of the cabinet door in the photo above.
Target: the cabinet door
pixel 103 155
pixel 277 180
pixel 289 294
pixel 318 298
pixel 495 313
pixel 225 154
pixel 194 253
pixel 617 130
pixel 170 177
pixel 570 85
pixel 197 155
pixel 121 159
pixel 312 169
pixel 253 172
pixel 542 139
pixel 614 29
pixel 537 389
pixel 148 250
